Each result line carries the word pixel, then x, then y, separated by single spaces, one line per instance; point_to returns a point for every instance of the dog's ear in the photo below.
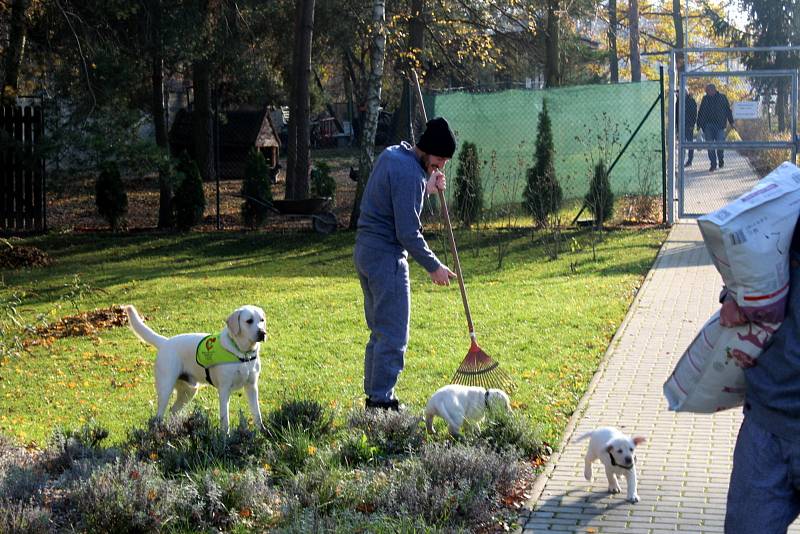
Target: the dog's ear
pixel 233 322
pixel 609 447
pixel 639 439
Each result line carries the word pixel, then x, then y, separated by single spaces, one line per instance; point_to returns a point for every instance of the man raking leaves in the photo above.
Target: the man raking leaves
pixel 389 229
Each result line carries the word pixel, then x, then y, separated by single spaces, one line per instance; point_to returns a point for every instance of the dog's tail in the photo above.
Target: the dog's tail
pixel 141 330
pixel 584 436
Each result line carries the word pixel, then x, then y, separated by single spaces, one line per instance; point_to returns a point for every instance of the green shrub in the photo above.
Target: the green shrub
pixel 124 496
pixel 450 483
pixel 292 447
pixel 110 196
pixel 68 446
pixel 502 429
pixel 304 414
pixel 256 187
pixel 392 432
pixel 190 442
pixel 323 183
pixel 356 449
pixel 189 201
pixel 468 185
pixel 600 198
pixel 543 195
pixel 303 521
pixel 24 517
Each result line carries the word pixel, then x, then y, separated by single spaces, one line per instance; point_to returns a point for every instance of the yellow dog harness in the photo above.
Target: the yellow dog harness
pixel 210 352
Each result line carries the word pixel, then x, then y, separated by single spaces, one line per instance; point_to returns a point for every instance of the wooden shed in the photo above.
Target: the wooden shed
pixel 239 132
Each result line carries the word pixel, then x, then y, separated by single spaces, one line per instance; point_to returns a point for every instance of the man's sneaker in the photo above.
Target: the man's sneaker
pixel 721 164
pixel 393 405
pixel 713 168
pixel 688 163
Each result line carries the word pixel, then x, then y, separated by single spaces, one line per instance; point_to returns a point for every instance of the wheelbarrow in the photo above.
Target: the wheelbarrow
pixel 318 209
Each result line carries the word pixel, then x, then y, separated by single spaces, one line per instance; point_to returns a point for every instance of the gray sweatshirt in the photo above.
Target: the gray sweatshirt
pixel 392 205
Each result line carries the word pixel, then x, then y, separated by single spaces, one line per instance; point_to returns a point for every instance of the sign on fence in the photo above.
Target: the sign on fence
pixel 22 193
pixel 746 110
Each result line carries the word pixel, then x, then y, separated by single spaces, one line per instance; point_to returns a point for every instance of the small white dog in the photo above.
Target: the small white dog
pixel 456 403
pixel 615 450
pixel 228 360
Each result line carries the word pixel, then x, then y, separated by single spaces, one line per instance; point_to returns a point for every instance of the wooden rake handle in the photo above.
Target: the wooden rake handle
pixel 446 217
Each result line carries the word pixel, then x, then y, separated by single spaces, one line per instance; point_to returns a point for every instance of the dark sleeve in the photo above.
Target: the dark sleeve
pixel 691 112
pixel 701 115
pixel 728 111
pixel 407 207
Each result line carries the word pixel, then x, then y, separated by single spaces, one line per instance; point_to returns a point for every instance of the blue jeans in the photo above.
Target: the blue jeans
pixel 764 493
pixel 387 309
pixel 715 133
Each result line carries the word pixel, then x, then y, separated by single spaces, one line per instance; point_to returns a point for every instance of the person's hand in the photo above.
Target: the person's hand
pixel 731 315
pixel 436 182
pixel 442 276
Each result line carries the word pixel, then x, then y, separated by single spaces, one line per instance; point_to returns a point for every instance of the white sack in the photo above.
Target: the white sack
pixel 749 242
pixel 709 376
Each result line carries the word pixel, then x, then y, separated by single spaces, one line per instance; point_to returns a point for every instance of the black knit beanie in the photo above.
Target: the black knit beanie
pixel 438 139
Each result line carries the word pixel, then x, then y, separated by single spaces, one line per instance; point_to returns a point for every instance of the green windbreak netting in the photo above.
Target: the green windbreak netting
pixel 587 122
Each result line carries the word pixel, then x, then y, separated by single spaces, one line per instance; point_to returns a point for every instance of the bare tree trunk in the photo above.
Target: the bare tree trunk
pixel 613 58
pixel 551 66
pixel 402 127
pixel 373 103
pixel 202 119
pixel 16 46
pixel 633 30
pixel 159 116
pixel 677 21
pixel 297 185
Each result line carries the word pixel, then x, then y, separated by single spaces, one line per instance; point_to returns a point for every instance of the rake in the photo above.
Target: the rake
pixel 478 368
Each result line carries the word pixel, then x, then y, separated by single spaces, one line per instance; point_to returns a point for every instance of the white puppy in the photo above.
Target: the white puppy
pixel 229 361
pixel 455 404
pixel 615 450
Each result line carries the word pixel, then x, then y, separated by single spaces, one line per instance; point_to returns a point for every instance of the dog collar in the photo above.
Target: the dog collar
pixel 615 464
pixel 248 356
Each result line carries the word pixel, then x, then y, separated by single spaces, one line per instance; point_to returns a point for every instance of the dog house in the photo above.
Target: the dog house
pixel 239 132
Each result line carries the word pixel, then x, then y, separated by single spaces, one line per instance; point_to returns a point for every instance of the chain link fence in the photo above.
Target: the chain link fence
pixel 619 124
pixel 737 124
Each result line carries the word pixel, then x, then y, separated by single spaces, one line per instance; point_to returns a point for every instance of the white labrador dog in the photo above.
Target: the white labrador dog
pixel 615 450
pixel 230 358
pixel 456 404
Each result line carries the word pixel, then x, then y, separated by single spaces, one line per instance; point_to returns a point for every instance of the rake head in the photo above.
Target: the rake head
pixel 479 369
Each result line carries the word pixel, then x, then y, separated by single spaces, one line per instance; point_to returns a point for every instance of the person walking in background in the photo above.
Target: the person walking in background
pixel 690 118
pixel 389 229
pixel 715 113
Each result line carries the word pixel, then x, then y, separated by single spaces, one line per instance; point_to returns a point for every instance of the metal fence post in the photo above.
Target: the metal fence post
pixel 671 145
pixel 663 148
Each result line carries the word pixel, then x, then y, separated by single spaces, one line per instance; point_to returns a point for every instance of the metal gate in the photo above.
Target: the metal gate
pixel 723 167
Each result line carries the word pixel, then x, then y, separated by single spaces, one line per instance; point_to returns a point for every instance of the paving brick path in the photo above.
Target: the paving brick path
pixel 684 467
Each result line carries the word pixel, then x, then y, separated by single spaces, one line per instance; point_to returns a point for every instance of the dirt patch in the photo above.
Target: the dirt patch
pixel 20 256
pixel 88 323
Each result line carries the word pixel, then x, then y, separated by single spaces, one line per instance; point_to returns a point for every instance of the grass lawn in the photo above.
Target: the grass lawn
pixel 547 322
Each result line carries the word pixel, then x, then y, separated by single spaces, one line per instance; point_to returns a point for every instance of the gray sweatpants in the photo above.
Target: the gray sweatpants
pixel 387 309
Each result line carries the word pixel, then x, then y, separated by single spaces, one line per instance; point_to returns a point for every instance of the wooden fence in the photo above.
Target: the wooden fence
pixel 22 170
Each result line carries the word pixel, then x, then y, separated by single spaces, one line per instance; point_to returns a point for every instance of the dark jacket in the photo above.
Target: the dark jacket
pixel 691 114
pixel 714 111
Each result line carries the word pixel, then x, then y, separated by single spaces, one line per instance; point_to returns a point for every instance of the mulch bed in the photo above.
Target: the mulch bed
pixel 73 206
